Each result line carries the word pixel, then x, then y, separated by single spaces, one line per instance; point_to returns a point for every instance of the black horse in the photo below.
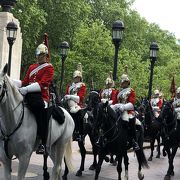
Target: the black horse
pixel 84 128
pixel 113 138
pixel 170 135
pixel 152 126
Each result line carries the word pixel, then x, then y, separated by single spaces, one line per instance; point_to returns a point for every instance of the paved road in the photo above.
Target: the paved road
pixel 157 170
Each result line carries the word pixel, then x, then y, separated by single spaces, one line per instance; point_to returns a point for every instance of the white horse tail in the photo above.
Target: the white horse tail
pixel 68 155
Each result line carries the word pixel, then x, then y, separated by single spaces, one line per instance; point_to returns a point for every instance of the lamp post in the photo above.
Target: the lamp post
pixel 64 48
pixel 11 31
pixel 117 35
pixel 153 57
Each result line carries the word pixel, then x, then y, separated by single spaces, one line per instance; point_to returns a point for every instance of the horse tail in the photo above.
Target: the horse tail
pixel 142 158
pixel 68 155
pixel 140 153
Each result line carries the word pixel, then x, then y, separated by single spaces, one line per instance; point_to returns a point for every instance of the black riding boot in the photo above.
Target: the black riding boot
pixel 132 126
pixel 43 130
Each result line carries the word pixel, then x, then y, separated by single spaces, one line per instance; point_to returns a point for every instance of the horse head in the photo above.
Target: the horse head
pixel 93 100
pixel 3 88
pixel 145 110
pixel 167 113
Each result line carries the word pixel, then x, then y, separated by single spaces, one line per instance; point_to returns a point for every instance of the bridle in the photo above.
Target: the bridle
pixel 3 91
pixel 6 137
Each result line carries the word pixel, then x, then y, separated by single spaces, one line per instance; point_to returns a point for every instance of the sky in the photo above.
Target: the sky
pixel 165 13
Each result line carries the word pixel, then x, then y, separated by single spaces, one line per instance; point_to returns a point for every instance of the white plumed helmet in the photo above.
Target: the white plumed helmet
pixel 109 79
pixel 41 49
pixel 156 91
pixel 77 74
pixel 178 90
pixel 124 77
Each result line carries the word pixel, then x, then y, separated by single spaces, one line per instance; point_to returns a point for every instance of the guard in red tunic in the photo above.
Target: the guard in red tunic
pixel 109 93
pixel 75 96
pixel 126 98
pixel 35 88
pixel 156 103
pixel 176 104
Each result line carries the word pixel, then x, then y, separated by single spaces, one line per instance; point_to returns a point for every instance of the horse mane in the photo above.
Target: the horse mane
pixel 13 92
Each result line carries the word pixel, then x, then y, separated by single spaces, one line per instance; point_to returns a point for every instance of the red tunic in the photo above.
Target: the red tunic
pixel 78 89
pixel 43 76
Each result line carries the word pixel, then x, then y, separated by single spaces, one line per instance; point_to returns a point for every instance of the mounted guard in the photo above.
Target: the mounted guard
pixel 35 88
pixel 156 103
pixel 126 98
pixel 109 93
pixel 75 95
pixel 176 104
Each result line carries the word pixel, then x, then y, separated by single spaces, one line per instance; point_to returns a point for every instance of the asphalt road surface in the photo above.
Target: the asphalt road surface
pixel 157 170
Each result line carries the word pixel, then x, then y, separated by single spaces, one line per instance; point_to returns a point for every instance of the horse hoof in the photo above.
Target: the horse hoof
pixel 167 177
pixel 106 159
pixel 79 173
pixel 158 156
pixel 164 153
pixel 126 178
pixel 92 167
pixel 140 176
pixel 150 159
pixel 172 173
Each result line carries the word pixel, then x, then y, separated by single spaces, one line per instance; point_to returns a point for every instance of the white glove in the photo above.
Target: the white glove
pixel 16 82
pixel 23 90
pixel 110 102
pixel 34 87
pixel 67 97
pixel 104 101
pixel 121 108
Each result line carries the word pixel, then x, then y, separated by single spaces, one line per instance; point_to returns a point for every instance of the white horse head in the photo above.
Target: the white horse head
pixel 18 129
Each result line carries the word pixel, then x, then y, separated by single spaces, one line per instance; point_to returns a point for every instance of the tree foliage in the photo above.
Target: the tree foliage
pixel 86 25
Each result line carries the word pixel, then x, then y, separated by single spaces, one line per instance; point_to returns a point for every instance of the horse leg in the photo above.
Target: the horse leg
pixel 112 160
pixel 7 169
pixel 158 147
pixel 95 152
pixel 66 171
pixel 83 155
pixel 126 163
pixel 45 167
pixel 57 156
pixel 170 171
pixel 119 167
pixel 99 164
pixel 140 174
pixel 23 165
pixel 152 148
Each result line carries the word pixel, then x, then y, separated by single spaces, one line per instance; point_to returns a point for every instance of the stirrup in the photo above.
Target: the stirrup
pixel 41 149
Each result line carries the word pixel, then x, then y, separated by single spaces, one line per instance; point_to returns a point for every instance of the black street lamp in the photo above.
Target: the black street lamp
pixel 153 57
pixel 7 5
pixel 117 35
pixel 64 48
pixel 11 31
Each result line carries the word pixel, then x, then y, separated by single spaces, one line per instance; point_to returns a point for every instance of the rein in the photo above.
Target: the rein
pixel 115 134
pixel 3 91
pixel 6 137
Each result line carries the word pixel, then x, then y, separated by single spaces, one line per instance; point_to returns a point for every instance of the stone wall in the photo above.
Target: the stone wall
pixel 5 18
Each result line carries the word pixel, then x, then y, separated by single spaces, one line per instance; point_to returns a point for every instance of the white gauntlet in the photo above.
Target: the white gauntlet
pixel 34 87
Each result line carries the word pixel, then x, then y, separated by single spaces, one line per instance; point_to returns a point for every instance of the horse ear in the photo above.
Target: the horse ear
pixel 5 69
